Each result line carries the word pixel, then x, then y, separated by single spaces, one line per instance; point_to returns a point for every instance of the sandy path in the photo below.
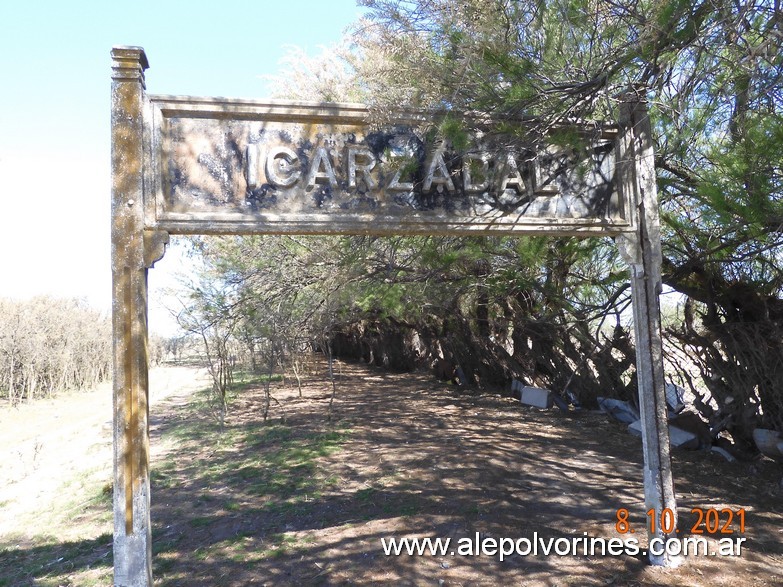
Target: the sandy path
pixel 53 449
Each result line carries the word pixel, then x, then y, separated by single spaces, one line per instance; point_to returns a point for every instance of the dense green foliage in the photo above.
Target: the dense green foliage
pixel 712 74
pixel 549 312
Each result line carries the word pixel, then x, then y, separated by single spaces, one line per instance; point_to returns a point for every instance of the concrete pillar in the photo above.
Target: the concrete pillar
pixel 132 536
pixel 642 251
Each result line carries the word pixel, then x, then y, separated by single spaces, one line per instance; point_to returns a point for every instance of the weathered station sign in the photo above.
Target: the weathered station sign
pixel 184 165
pixel 273 167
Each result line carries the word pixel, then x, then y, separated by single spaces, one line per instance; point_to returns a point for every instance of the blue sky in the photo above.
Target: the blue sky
pixel 54 112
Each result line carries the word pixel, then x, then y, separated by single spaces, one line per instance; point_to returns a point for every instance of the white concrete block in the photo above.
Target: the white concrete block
pixel 536 397
pixel 675 397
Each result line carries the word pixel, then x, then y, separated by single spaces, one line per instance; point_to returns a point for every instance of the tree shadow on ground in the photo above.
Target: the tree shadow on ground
pixel 50 563
pixel 304 500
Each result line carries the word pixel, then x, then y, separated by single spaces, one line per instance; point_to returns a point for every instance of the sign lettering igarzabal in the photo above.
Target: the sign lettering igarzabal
pixel 273 167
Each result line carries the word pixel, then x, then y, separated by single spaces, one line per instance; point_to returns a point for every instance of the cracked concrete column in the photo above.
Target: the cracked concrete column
pixel 642 250
pixel 132 536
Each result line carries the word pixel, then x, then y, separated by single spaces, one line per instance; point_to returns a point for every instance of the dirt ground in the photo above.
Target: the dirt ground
pixel 305 499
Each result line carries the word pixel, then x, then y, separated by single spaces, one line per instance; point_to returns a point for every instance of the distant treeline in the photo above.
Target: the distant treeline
pixel 49 345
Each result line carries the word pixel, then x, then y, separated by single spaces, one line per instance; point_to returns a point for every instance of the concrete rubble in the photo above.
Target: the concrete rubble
pixel 678 437
pixel 686 429
pixel 724 453
pixel 619 410
pixel 769 442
